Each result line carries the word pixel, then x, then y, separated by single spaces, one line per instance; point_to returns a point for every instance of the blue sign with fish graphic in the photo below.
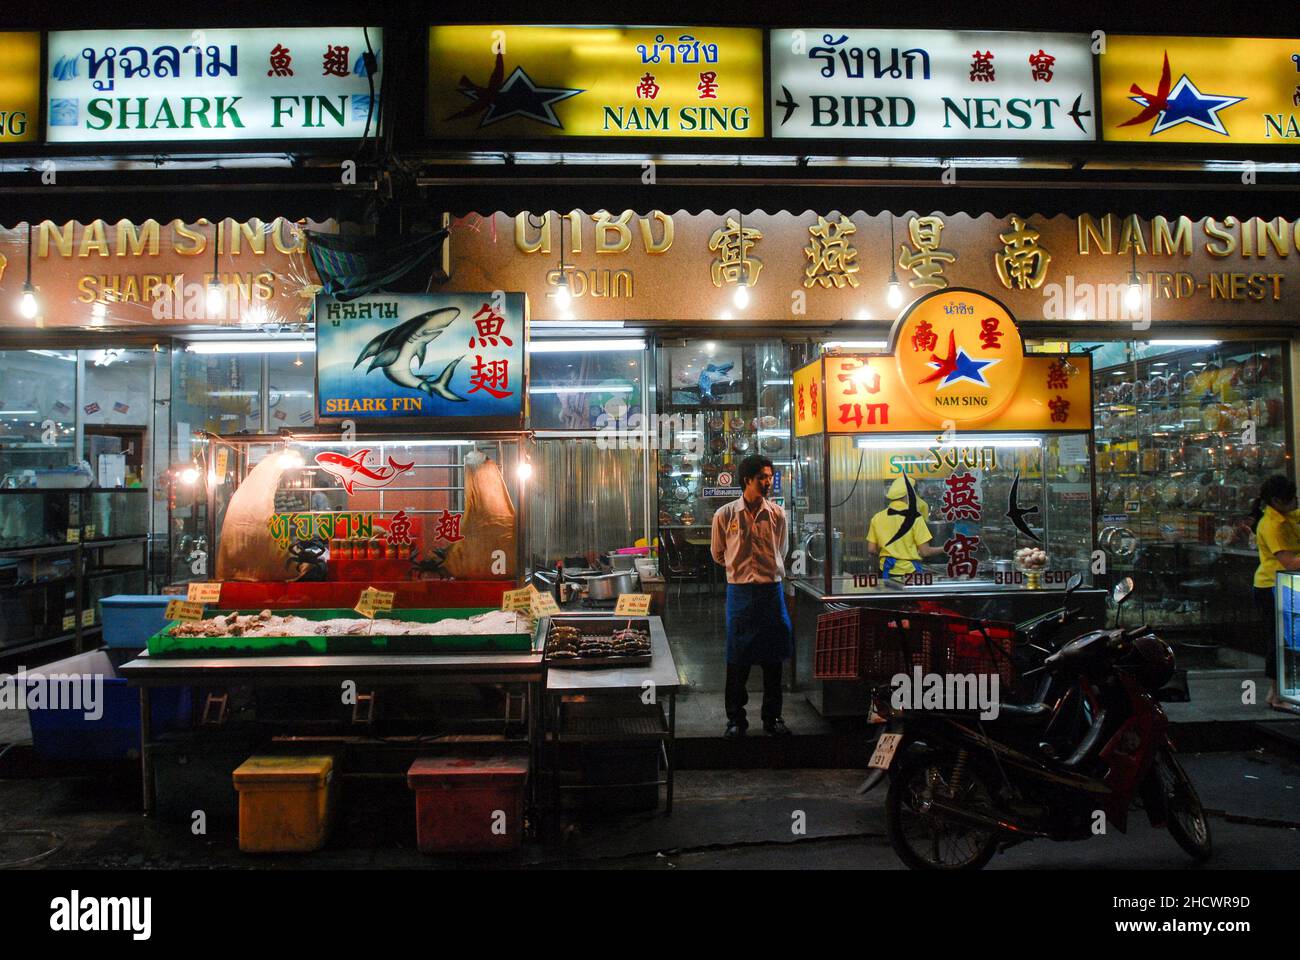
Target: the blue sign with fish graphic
pixel 407 356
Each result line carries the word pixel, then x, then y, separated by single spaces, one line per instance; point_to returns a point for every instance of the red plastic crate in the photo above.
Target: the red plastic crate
pixel 839 640
pixel 468 804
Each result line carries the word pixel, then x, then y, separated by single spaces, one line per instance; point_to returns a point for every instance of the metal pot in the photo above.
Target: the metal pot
pixel 608 586
pixel 618 562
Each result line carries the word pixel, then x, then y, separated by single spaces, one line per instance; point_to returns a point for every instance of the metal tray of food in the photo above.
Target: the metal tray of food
pixel 582 643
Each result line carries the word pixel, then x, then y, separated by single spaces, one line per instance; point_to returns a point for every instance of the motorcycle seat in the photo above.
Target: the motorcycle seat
pixel 1028 713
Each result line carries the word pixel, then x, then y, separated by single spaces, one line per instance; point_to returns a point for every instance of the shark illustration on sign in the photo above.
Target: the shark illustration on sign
pixel 352 471
pixel 393 350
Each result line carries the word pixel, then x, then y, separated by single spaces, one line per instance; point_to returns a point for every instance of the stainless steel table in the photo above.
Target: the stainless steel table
pixel 524 669
pixel 644 689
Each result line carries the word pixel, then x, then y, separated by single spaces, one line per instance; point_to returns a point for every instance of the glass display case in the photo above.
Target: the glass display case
pixel 1185 433
pixel 728 399
pixel 980 501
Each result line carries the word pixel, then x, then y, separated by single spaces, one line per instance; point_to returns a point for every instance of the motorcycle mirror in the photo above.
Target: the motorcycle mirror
pixel 1121 591
pixel 1076 580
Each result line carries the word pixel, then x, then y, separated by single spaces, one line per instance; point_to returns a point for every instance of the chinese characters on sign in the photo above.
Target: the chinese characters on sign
pixel 733 246
pixel 926 260
pixel 832 259
pixel 1021 263
pixel 448 527
pixel 960 500
pixel 962 561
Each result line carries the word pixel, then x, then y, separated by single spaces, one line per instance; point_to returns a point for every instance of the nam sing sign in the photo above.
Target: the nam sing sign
pixel 931 84
pixel 174 85
pixel 20 86
pixel 517 81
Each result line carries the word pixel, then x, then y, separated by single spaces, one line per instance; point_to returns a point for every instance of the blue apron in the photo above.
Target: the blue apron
pixel 758 626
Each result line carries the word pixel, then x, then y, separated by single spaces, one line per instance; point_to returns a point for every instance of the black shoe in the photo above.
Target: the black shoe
pixel 777 728
pixel 735 729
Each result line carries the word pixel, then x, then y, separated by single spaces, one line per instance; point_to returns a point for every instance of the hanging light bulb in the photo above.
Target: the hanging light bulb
pixel 894 295
pixel 523 470
pixel 562 297
pixel 189 475
pixel 1133 295
pixel 741 298
pixel 27 306
pixel 894 292
pixel 216 298
pixel 297 361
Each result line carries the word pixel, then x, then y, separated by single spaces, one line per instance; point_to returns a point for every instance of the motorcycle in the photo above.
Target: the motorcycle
pixel 1065 766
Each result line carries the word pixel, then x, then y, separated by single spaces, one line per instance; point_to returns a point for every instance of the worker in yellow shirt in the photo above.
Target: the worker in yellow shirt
pixel 899 533
pixel 1277 535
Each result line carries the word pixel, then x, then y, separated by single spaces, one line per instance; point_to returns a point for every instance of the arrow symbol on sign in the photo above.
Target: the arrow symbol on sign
pixel 789 104
pixel 1076 113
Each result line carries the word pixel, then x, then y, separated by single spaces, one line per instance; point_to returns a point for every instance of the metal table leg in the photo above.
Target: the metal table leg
pixel 672 749
pixel 146 753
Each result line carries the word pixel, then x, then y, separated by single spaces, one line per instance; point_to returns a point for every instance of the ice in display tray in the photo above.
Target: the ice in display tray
pixel 163 644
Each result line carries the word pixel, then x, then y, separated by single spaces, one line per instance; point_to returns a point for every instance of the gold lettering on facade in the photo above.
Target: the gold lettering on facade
pixel 926 263
pixel 733 246
pixel 1021 263
pixel 1130 236
pixel 1090 232
pixel 612 236
pixel 1229 242
pixel 198 241
pixel 1166 243
pixel 526 244
pixel 63 238
pixel 832 260
pixel 1273 233
pixel 93 240
pixel 647 234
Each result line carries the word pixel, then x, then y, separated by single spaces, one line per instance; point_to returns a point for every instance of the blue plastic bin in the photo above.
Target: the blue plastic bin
pixel 130 620
pixel 67 734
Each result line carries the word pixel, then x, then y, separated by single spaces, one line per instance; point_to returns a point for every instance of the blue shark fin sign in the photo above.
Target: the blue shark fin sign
pixel 407 357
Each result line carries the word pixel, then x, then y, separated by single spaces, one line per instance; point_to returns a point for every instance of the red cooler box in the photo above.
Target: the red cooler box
pixel 465 804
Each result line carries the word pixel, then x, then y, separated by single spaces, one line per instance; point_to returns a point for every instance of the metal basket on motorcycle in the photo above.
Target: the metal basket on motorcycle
pixel 876 645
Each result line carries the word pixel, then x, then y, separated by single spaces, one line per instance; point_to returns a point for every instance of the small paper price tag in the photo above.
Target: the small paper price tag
pixel 517 600
pixel 373 600
pixel 70 622
pixel 90 531
pixel 88 618
pixel 544 605
pixel 204 592
pixel 632 605
pixel 183 610
pixel 74 534
pixel 223 461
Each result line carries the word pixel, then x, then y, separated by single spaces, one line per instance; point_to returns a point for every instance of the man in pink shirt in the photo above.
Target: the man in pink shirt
pixel 750 539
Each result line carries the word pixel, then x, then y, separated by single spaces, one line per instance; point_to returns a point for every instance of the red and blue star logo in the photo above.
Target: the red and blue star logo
pixel 957 367
pixel 1184 103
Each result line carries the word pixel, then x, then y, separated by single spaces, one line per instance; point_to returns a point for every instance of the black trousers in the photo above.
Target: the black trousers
pixel 737 695
pixel 1267 644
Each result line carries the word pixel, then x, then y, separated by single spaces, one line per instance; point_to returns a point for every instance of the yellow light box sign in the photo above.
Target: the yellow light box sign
pixel 1200 90
pixel 20 86
pixel 533 81
pixel 958 359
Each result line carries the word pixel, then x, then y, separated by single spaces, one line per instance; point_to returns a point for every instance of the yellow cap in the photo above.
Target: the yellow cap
pixel 897 490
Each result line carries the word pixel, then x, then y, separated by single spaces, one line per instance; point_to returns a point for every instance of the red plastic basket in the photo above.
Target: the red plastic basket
pixel 839 640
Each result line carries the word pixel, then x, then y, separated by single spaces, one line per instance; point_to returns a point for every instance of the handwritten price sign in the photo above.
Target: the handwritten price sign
pixel 204 592
pixel 632 605
pixel 518 600
pixel 183 610
pixel 372 601
pixel 544 605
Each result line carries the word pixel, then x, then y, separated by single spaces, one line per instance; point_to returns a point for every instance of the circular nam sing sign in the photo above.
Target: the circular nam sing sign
pixel 959 356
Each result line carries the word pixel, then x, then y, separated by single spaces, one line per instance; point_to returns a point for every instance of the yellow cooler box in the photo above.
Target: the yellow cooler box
pixel 285 803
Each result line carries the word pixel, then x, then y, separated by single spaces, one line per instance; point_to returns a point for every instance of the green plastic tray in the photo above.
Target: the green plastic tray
pixel 162 644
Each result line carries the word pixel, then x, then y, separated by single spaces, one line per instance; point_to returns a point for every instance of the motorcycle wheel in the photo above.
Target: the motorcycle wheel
pixel 924 841
pixel 1187 821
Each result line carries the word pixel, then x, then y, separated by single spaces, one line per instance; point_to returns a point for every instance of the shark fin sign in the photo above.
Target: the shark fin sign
pixel 405 357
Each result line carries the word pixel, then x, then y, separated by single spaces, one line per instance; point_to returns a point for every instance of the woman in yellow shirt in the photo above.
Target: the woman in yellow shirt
pixel 902 552
pixel 1277 534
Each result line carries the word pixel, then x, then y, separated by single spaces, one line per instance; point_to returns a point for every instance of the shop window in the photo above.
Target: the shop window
pixel 577 385
pixel 723 400
pixel 291 390
pixel 37 412
pixel 1185 432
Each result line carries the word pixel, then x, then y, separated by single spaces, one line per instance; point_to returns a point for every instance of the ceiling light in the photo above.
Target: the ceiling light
pixel 249 346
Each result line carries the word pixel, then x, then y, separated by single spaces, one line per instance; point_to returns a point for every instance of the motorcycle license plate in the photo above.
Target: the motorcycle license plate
pixel 884 752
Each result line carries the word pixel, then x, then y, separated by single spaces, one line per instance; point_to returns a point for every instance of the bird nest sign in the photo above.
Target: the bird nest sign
pixel 408 357
pixel 957 359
